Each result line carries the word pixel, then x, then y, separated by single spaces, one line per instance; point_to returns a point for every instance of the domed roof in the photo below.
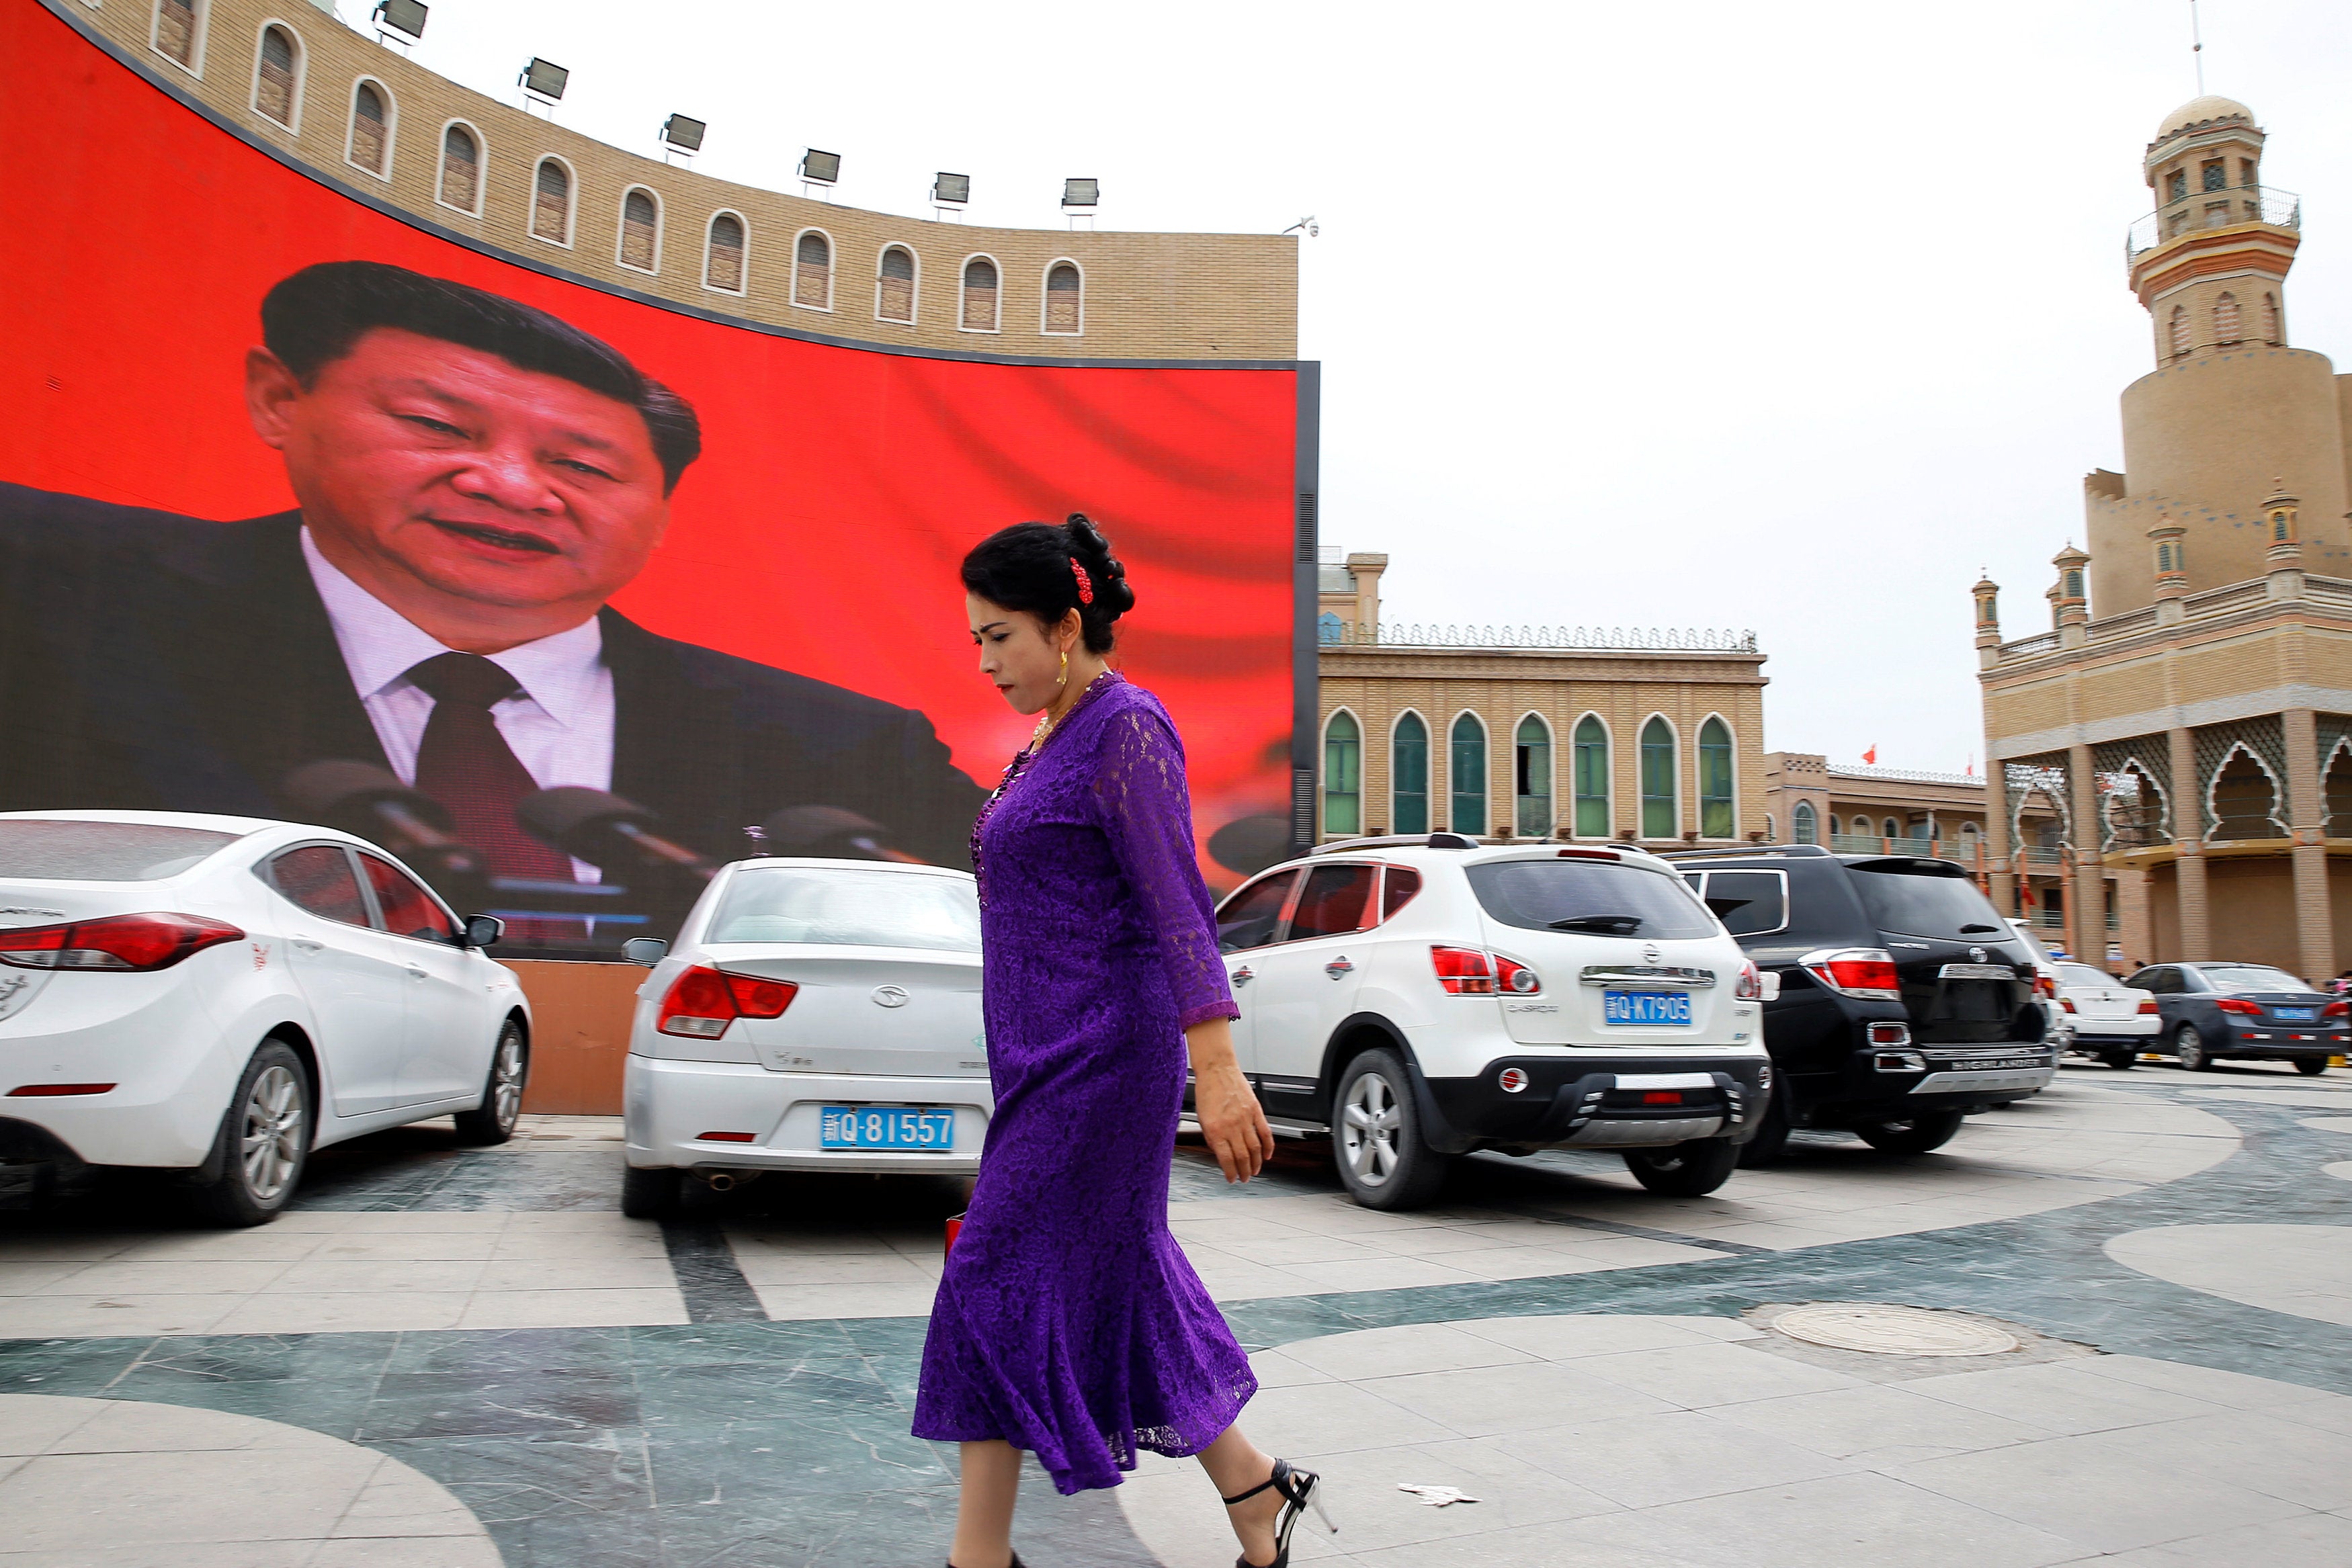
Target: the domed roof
pixel 2196 110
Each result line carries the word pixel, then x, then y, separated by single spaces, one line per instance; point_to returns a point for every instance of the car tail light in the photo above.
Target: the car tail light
pixel 2336 1011
pixel 1515 977
pixel 2232 1005
pixel 2147 1005
pixel 2045 987
pixel 1750 987
pixel 1462 971
pixel 1855 972
pixel 118 941
pixel 703 1001
pixel 2068 1003
pixel 1888 1033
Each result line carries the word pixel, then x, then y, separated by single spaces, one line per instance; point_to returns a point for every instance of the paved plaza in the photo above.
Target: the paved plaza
pixel 454 1357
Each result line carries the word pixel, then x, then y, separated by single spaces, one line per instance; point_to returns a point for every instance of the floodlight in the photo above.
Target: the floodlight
pixel 684 132
pixel 1081 193
pixel 951 190
pixel 820 168
pixel 543 80
pixel 403 15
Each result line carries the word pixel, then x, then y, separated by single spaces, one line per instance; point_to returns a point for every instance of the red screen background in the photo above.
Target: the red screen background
pixel 839 487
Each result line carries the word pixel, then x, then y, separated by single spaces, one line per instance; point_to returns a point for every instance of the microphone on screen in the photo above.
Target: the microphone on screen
pixel 831 832
pixel 608 832
pixel 362 799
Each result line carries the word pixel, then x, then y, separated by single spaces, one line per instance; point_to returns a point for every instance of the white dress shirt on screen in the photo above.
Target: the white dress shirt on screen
pixel 560 726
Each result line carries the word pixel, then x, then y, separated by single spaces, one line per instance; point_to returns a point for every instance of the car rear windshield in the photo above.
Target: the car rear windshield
pixel 835 906
pixel 1914 899
pixel 1582 896
pixel 103 851
pixel 2083 974
pixel 2251 978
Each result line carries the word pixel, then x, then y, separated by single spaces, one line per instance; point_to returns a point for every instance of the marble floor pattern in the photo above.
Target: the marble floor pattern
pixel 734 1387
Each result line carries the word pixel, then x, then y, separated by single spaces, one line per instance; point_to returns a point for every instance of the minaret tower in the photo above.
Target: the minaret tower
pixel 2230 404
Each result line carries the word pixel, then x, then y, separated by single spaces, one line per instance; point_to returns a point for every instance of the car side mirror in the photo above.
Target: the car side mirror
pixel 645 950
pixel 484 930
pixel 1771 979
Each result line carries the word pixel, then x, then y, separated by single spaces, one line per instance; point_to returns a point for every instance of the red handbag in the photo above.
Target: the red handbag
pixel 955 1229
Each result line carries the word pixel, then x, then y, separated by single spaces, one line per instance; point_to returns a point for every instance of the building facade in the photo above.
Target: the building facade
pixel 1649 737
pixel 2186 722
pixel 364 118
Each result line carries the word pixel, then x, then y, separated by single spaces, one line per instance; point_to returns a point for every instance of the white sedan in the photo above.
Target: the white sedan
pixel 815 1015
pixel 220 996
pixel 2111 1021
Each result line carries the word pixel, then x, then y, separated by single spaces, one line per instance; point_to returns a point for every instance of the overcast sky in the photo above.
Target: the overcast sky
pixel 1786 316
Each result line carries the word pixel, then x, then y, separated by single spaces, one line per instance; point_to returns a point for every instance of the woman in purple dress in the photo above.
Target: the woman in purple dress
pixel 1068 1323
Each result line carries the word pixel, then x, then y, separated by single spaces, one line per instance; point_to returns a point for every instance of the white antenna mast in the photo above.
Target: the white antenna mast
pixel 2197 48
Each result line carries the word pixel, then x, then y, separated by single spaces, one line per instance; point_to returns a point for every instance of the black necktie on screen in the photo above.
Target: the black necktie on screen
pixel 467 765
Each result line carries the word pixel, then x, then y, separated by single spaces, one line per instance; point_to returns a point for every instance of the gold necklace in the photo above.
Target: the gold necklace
pixel 1045 724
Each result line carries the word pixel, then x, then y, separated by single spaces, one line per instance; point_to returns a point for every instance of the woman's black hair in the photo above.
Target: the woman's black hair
pixel 1034 567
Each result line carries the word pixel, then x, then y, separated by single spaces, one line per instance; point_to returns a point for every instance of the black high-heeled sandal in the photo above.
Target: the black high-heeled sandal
pixel 1015 1563
pixel 1300 1489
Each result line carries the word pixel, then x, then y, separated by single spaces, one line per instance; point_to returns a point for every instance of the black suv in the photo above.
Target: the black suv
pixel 1906 1002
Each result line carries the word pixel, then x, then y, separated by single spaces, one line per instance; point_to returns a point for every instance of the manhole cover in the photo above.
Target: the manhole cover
pixel 1893 1331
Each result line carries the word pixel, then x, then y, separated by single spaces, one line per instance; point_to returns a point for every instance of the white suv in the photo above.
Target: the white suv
pixel 1423 998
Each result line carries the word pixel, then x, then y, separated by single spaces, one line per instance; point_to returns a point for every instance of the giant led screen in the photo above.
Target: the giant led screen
pixel 298 496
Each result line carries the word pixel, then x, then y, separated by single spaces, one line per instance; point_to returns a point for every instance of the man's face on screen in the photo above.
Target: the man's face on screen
pixel 450 481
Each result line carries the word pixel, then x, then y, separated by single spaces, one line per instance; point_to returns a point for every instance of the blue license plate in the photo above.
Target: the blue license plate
pixel 926 1128
pixel 2294 1014
pixel 1646 1006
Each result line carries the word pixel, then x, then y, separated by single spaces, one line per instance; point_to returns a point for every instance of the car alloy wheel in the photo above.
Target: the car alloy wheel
pixel 2189 1047
pixel 270 1141
pixel 493 1119
pixel 1369 1126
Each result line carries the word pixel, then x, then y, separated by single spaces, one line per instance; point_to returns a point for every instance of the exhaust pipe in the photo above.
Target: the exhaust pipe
pixel 727 1181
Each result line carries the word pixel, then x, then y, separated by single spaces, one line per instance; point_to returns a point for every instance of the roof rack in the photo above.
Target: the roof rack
pixel 1746 851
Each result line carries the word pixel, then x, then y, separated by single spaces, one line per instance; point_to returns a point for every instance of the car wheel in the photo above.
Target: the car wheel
pixel 265 1141
pixel 1911 1135
pixel 2311 1066
pixel 493 1121
pixel 2189 1046
pixel 1376 1139
pixel 1684 1170
pixel 2121 1061
pixel 1771 1139
pixel 649 1194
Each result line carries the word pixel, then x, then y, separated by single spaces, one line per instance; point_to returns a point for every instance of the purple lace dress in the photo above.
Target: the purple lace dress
pixel 1068 1322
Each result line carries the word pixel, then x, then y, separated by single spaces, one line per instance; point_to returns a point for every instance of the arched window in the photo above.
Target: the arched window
pixel 1770 835
pixel 1717 819
pixel 370 147
pixel 2225 321
pixel 722 258
pixel 1408 776
pixel 1343 776
pixel 1531 779
pixel 2335 793
pixel 1891 829
pixel 2180 330
pixel 1661 818
pixel 1467 776
pixel 640 230
pixel 461 169
pixel 2270 319
pixel 978 295
pixel 1328 628
pixel 551 203
pixel 2245 801
pixel 893 290
pixel 2074 582
pixel 813 271
pixel 1836 828
pixel 1802 826
pixel 179 30
pixel 274 75
pixel 1064 299
pixel 1589 777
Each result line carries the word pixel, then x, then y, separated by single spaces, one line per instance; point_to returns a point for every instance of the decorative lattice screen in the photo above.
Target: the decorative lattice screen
pixel 2135 793
pixel 2264 740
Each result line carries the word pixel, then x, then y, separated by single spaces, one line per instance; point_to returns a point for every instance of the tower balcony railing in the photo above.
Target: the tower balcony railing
pixel 2213 209
pixel 1336 633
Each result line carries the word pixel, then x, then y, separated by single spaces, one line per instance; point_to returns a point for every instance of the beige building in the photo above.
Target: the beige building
pixel 1648 737
pixel 2187 721
pixel 363 118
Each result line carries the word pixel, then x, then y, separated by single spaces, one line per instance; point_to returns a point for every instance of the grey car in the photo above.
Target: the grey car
pixel 2221 1009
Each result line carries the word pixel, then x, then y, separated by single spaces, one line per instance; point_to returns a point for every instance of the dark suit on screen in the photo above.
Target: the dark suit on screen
pixel 156 662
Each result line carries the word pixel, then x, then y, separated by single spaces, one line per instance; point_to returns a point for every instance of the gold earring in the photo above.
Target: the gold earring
pixel 1066 671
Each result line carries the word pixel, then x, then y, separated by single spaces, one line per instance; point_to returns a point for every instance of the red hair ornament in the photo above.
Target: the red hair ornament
pixel 1086 583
